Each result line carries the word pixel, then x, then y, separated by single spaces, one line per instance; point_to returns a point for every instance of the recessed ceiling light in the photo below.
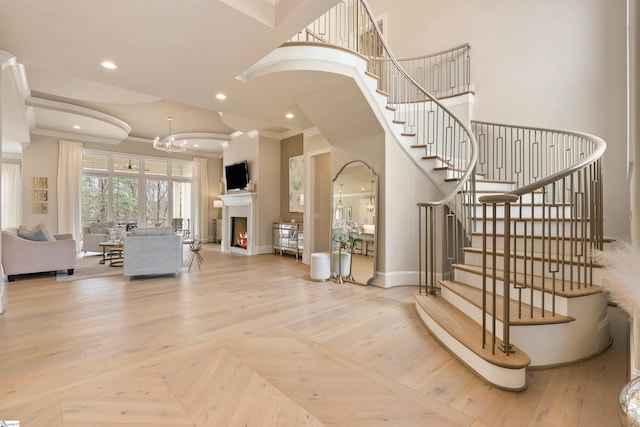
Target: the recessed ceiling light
pixel 221 96
pixel 109 65
pixel 76 127
pixel 289 116
pixel 196 145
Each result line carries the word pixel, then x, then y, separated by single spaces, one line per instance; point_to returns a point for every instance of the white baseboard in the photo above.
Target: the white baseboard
pixel 399 278
pixel 264 249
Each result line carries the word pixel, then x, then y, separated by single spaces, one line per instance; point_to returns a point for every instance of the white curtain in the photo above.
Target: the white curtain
pixel 201 197
pixel 11 195
pixel 70 189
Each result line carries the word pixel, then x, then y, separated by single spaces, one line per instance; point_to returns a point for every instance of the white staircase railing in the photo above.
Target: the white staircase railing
pixel 552 220
pixel 443 74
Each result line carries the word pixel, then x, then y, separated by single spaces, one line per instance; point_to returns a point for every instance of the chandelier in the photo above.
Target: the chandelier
pixel 339 205
pixel 370 206
pixel 168 143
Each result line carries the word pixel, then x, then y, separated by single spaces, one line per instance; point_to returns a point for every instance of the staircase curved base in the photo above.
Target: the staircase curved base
pixel 564 343
pixel 504 378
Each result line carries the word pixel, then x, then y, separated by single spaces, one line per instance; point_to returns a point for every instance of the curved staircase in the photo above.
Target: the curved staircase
pixel 506 275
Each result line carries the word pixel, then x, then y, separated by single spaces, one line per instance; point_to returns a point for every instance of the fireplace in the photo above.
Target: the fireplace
pixel 239 232
pixel 239 223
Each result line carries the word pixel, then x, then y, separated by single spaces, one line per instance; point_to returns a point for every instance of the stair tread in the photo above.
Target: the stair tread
pixel 372 75
pixel 454 169
pixel 491 181
pixel 468 332
pixel 537 281
pixel 446 163
pixel 528 317
pixel 537 256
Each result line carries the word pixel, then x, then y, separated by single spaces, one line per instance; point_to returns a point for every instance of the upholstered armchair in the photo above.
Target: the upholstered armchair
pixel 152 251
pixel 22 256
pixel 95 233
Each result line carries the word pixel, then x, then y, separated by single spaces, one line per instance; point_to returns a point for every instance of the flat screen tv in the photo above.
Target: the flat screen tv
pixel 237 175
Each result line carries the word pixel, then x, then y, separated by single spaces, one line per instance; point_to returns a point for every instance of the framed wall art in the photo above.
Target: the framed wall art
pixel 296 184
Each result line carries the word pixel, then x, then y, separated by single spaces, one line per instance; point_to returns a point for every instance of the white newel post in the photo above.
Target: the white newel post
pixel 241 204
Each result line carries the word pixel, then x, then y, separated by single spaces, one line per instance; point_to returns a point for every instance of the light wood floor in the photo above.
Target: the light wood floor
pixel 251 341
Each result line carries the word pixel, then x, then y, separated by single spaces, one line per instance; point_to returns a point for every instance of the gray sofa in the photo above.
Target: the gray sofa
pixel 152 251
pixel 22 256
pixel 96 233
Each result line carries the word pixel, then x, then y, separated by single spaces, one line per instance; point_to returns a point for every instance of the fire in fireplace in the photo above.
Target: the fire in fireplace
pixel 242 240
pixel 239 232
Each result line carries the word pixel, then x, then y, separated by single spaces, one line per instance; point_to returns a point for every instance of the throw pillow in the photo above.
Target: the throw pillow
pixel 41 226
pixel 36 236
pixel 46 232
pixel 27 228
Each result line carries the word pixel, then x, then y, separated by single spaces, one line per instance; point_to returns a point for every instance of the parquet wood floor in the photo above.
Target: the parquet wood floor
pixel 252 341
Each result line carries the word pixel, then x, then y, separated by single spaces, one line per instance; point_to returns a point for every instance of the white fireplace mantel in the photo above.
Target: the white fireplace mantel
pixel 241 204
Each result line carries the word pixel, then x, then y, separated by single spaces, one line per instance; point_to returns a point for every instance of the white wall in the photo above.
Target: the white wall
pixel 634 111
pixel 547 63
pixel 268 188
pixel 317 183
pixel 214 176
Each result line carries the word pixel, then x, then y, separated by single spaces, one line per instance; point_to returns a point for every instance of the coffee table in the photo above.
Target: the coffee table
pixel 112 252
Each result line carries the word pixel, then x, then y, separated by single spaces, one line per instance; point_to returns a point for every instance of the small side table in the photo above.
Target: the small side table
pixel 195 254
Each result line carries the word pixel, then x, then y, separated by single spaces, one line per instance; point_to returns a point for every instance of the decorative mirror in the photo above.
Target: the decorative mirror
pixel 353 232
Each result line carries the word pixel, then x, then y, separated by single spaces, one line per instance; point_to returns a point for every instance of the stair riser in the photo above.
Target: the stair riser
pixel 470 310
pixel 525 212
pixel 550 247
pixel 518 265
pixel 448 174
pixel 476 280
pixel 536 228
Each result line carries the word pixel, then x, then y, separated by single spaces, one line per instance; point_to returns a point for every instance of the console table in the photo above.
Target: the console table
pixel 288 237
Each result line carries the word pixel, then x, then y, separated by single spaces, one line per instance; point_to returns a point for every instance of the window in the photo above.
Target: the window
pixel 182 170
pixel 134 190
pixel 157 209
pixel 95 198
pixel 152 167
pixel 125 200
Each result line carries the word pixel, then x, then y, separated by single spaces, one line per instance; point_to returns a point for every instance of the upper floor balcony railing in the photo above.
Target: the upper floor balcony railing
pixel 444 74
